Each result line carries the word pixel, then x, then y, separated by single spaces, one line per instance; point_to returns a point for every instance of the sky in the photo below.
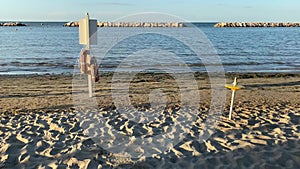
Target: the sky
pixel 188 10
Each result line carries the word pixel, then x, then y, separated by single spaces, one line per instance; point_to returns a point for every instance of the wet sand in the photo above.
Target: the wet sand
pixel 40 127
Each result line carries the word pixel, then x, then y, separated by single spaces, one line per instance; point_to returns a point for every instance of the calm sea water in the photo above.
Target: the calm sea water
pixel 52 48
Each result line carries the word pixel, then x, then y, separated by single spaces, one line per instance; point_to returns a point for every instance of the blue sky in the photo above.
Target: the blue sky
pixel 190 10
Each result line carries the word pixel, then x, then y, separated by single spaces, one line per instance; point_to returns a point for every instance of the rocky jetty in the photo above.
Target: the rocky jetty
pixel 72 24
pixel 12 24
pixel 256 24
pixel 132 24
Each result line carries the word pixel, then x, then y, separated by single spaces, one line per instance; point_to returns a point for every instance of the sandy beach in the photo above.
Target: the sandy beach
pixel 40 128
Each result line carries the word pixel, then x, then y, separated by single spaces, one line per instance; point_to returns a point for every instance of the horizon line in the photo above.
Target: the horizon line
pixel 97 20
pixel 162 21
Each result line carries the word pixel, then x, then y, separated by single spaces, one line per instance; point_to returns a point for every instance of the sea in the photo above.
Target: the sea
pixel 51 48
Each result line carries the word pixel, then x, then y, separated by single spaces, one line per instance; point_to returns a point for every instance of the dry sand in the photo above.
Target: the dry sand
pixel 39 127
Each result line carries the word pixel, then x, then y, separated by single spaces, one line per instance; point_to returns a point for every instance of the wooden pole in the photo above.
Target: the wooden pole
pixel 90 82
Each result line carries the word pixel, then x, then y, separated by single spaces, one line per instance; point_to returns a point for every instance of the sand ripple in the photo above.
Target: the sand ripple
pixel 265 138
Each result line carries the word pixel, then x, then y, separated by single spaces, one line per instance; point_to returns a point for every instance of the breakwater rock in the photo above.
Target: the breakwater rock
pixel 12 24
pixel 132 24
pixel 255 24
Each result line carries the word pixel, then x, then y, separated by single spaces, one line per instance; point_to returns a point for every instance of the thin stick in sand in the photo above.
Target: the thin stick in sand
pixel 233 87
